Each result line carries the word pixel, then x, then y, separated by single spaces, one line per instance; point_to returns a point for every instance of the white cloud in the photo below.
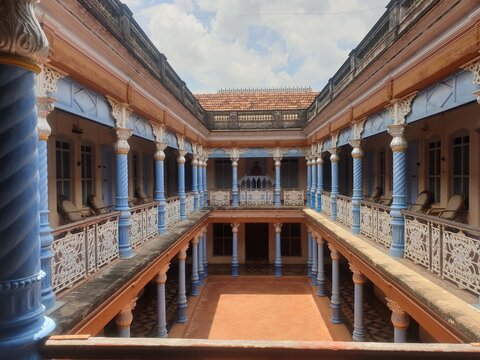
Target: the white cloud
pixel 216 44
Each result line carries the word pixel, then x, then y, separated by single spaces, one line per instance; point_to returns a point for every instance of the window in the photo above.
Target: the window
pixel 223 174
pixel 222 240
pixel 87 172
pixel 289 174
pixel 291 240
pixel 381 183
pixel 63 156
pixel 433 168
pixel 460 165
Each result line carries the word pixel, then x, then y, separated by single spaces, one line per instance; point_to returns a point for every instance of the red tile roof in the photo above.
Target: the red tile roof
pixel 263 99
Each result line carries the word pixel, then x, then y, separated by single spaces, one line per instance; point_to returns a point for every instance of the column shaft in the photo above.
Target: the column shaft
pixel 333 194
pixel 278 250
pixel 309 253
pixel 195 172
pixel 204 252
pixel 314 260
pixel 181 184
pixel 358 326
pixel 195 291
pixel 182 298
pixel 125 248
pixel 205 192
pixel 309 182
pixel 161 330
pixel 357 188
pixel 313 189
pixel 200 259
pixel 278 190
pixel 200 184
pixel 235 249
pixel 319 183
pixel 160 189
pixel 321 270
pixel 234 184
pixel 335 301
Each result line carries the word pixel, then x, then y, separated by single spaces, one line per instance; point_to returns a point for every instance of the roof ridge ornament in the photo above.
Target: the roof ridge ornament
pixel 257 90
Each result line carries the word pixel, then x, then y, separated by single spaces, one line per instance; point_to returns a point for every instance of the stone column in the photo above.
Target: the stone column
pixel 204 253
pixel 335 301
pixel 309 180
pixel 313 189
pixel 319 182
pixel 334 158
pixel 398 111
pixel 46 86
pixel 201 203
pixel 235 249
pixel 321 269
pixel 205 192
pixel 182 298
pixel 400 321
pixel 357 155
pixel 160 176
pixel 309 253
pixel 358 328
pixel 314 259
pixel 195 291
pixel 200 258
pixel 120 113
pixel 23 47
pixel 278 190
pixel 181 183
pixel 278 249
pixel 235 202
pixel 124 319
pixel 161 330
pixel 195 172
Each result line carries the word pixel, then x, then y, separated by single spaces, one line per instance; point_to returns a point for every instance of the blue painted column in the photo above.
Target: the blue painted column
pixel 278 189
pixel 334 158
pixel 205 192
pixel 22 322
pixel 182 297
pixel 319 182
pixel 235 249
pixel 399 148
pixel 121 149
pixel 358 326
pixel 161 279
pixel 313 189
pixel 314 270
pixel 160 185
pixel 400 321
pixel 201 199
pixel 278 249
pixel 335 301
pixel 321 268
pixel 309 253
pixel 181 183
pixel 235 182
pixel 357 197
pixel 309 181
pixel 195 291
pixel 195 172
pixel 200 259
pixel 204 253
pixel 124 319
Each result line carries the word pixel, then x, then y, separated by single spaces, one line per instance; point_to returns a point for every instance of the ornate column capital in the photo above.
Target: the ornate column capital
pixel 235 227
pixel 319 159
pixel 181 156
pixel 278 227
pixel 125 317
pixel 196 239
pixel 22 40
pixel 334 154
pixel 161 277
pixel 400 318
pixel 234 154
pixel 398 143
pixel 400 108
pixel 277 154
pixel 121 145
pixel 160 153
pixel 358 277
pixel 45 106
pixel 120 112
pixel 320 240
pixel 205 230
pixel 334 253
pixel 357 129
pixel 182 255
pixel 357 151
pixel 196 160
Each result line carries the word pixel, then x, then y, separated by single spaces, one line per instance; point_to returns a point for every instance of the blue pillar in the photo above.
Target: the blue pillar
pixel 334 158
pixel 335 301
pixel 309 253
pixel 357 155
pixel 235 249
pixel 319 182
pixel 200 259
pixel 399 148
pixel 201 199
pixel 195 291
pixel 234 182
pixel 321 270
pixel 181 184
pixel 160 185
pixel 196 199
pixel 205 192
pixel 22 324
pixel 182 298
pixel 161 328
pixel 278 249
pixel 278 190
pixel 313 189
pixel 124 319
pixel 314 260
pixel 204 253
pixel 400 321
pixel 121 155
pixel 358 327
pixel 309 182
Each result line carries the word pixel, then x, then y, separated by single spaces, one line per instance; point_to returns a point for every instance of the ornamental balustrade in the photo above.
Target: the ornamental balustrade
pixel 256 197
pixel 375 222
pixel 172 211
pixel 448 249
pixel 80 249
pixel 189 204
pixel 344 210
pixel 219 197
pixel 293 197
pixel 326 203
pixel 143 223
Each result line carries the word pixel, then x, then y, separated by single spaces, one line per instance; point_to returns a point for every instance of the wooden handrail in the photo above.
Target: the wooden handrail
pixel 86 222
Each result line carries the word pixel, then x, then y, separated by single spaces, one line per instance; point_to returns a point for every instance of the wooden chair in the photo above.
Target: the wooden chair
pixel 423 202
pixel 375 195
pixel 385 201
pixel 71 213
pixel 98 205
pixel 455 206
pixel 142 197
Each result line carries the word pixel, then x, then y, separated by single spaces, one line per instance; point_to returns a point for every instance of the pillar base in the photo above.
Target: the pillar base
pixel 235 271
pixel 162 334
pixel 397 251
pixel 162 230
pixel 125 253
pixel 200 279
pixel 309 270
pixel 48 298
pixel 321 289
pixel 195 291
pixel 182 314
pixel 314 279
pixel 358 336
pixel 336 314
pixel 205 273
pixel 278 270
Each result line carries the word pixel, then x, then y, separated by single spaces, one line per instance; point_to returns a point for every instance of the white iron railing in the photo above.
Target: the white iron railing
pixel 293 197
pixel 256 197
pixel 143 223
pixel 172 211
pixel 189 204
pixel 375 222
pixel 344 210
pixel 219 198
pixel 448 249
pixel 326 203
pixel 80 249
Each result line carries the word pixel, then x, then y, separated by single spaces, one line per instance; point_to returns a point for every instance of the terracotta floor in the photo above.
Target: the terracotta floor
pixel 256 308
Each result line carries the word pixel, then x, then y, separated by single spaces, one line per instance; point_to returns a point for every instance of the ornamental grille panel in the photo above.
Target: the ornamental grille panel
pixel 326 203
pixel 344 210
pixel 293 198
pixel 375 223
pixel 143 223
pixel 219 198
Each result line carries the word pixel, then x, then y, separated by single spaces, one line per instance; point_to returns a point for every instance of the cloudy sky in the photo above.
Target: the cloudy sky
pixel 216 44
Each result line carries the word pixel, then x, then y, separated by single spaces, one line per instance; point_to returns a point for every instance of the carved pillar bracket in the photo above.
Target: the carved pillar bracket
pixel 120 112
pixel 161 277
pixel 400 108
pixel 474 68
pixel 124 318
pixel 400 321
